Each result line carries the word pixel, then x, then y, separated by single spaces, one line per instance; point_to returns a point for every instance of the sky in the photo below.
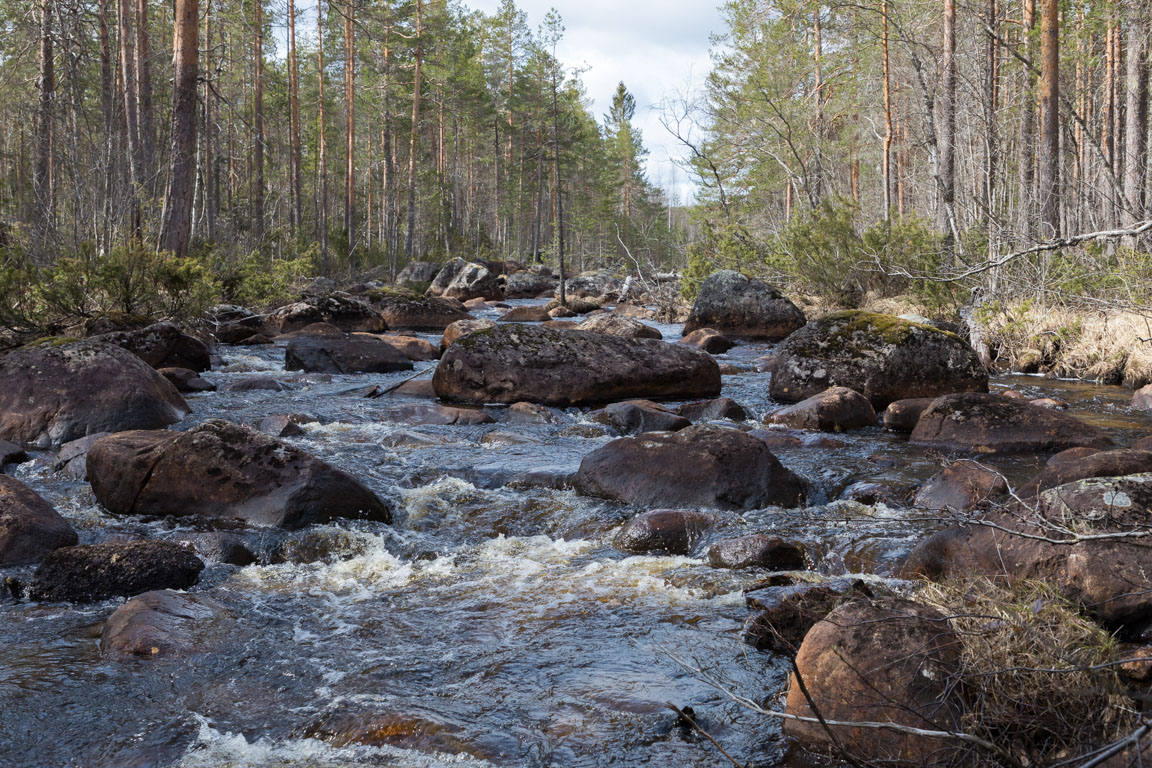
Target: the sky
pixel 657 47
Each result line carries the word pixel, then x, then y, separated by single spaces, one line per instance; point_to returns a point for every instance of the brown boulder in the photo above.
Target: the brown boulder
pixel 510 363
pixel 834 410
pixel 53 394
pixel 960 487
pixel 662 532
pixel 463 328
pixel 352 353
pixel 634 417
pixel 162 345
pixel 186 380
pixel 413 348
pixel 433 413
pixel 531 413
pixel 536 313
pixel 882 357
pixel 756 551
pixel 10 453
pixel 885 660
pixel 29 527
pixel 419 314
pixel 992 424
pixel 88 574
pixel 1066 467
pixel 902 415
pixel 699 466
pixel 1142 398
pixel 162 624
pixel 226 471
pixel 283 424
pixel 713 410
pixel 708 339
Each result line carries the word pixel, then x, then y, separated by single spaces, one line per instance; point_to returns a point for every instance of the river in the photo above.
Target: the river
pixel 494 612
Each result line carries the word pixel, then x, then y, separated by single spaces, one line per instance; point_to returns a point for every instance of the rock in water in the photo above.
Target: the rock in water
pixel 29 527
pixel 341 310
pixel 474 281
pixel 88 574
pixel 745 307
pixel 663 532
pixel 884 660
pixel 617 325
pixel 420 314
pixel 225 471
pixel 351 353
pixel 836 409
pixel 701 466
pixel 162 624
pixel 992 424
pixel 882 357
pixel 510 363
pixel 54 394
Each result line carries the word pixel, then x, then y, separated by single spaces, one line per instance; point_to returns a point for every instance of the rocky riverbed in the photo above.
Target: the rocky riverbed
pixel 496 620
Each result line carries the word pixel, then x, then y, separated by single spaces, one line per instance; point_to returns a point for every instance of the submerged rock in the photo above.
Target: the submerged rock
pixel 700 466
pixel 54 394
pixel 740 306
pixel 162 624
pixel 880 356
pixel 756 551
pixel 219 470
pixel 636 416
pixel 708 339
pixel 510 363
pixel 29 527
pixel 88 574
pixel 993 424
pixel 662 532
pixel 960 487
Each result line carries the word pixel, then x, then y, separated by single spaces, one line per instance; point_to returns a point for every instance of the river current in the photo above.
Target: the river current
pixel 492 624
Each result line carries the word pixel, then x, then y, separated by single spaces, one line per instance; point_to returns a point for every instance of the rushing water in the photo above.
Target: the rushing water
pixel 494 613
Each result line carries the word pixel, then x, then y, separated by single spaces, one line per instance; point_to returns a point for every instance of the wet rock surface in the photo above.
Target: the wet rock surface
pixel 162 624
pixel 836 409
pixel 419 314
pixel 353 353
pixel 162 345
pixel 663 532
pixel 29 527
pixel 224 471
pixel 90 573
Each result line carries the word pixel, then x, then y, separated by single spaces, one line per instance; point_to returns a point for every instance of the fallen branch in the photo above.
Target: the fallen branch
pixel 692 721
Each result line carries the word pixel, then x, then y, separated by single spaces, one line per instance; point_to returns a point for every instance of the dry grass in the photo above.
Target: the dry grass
pixel 1113 347
pixel 1037 676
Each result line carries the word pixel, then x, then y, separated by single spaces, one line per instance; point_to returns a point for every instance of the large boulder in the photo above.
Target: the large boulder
pixel 882 357
pixel 888 660
pixel 162 345
pixel 1086 538
pixel 745 307
pixel 347 353
pixel 412 347
pixel 420 314
pixel 509 363
pixel 960 487
pixel 708 339
pixel 445 275
pixel 88 574
pixel 700 466
pixel 29 527
pixel 163 624
pixel 52 394
pixel 219 470
pixel 231 324
pixel 1071 465
pixel 525 285
pixel 611 324
pixel 341 310
pixel 474 281
pixel 973 421
pixel 599 285
pixel 418 272
pixel 836 409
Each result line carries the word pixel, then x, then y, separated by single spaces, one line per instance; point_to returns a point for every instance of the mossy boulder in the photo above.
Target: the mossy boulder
pixel 985 423
pixel 53 394
pixel 510 363
pixel 740 306
pixel 880 356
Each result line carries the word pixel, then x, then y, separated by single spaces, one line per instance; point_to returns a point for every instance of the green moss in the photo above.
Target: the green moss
pixel 852 329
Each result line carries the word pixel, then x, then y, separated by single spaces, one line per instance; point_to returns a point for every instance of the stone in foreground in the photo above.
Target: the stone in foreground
pixel 29 527
pixel 162 624
pixel 88 574
pixel 511 363
pixel 220 470
pixel 700 466
pixel 882 357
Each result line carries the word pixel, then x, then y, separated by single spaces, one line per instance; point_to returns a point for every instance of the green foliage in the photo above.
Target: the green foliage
pixel 719 247
pixel 259 280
